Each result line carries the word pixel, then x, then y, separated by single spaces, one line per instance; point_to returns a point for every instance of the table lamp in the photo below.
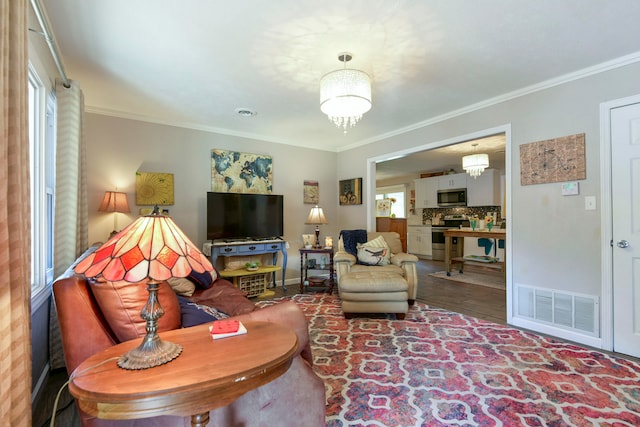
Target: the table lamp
pixel 316 217
pixel 114 201
pixel 155 249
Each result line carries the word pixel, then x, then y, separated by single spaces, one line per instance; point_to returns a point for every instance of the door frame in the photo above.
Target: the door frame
pixel 606 218
pixel 370 189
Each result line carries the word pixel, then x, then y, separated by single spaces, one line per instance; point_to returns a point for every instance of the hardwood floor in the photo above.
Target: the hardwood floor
pixel 473 300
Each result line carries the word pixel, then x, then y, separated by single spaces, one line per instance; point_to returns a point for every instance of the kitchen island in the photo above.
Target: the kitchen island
pixel 480 262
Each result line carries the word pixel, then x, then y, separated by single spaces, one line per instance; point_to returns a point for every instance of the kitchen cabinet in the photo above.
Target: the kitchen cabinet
pixel 452 182
pixel 399 225
pixel 419 240
pixel 484 190
pixel 426 192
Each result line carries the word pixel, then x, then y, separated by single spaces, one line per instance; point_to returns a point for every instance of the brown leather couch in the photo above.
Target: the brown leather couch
pixel 297 397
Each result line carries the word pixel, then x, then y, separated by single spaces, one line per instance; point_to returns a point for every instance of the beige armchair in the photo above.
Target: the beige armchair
pixel 401 263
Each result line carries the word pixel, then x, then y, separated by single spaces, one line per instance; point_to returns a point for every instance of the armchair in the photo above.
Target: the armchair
pixel 401 263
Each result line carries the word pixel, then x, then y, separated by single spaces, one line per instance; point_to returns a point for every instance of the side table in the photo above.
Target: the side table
pixel 207 375
pixel 305 265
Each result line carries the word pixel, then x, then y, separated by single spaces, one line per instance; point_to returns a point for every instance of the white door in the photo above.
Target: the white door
pixel 625 208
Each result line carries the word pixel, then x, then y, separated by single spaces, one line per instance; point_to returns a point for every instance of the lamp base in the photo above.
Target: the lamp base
pixel 317 245
pixel 149 354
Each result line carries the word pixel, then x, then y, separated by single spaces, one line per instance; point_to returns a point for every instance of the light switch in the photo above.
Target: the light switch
pixel 590 203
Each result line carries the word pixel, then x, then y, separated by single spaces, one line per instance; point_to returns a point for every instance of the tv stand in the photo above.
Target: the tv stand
pixel 244 247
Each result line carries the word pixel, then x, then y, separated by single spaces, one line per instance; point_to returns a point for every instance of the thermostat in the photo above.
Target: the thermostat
pixel 570 188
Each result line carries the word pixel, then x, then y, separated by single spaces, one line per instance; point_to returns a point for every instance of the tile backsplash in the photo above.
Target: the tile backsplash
pixel 481 211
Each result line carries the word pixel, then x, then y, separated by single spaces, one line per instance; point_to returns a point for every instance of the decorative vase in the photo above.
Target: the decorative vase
pixel 474 223
pixel 490 225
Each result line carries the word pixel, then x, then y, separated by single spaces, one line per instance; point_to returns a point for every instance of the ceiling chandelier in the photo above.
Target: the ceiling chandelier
pixel 474 164
pixel 345 95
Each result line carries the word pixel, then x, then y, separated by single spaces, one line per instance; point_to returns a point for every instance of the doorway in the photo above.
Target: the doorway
pixel 370 189
pixel 620 125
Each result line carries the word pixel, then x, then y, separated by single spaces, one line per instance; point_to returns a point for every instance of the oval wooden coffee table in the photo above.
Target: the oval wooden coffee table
pixel 207 375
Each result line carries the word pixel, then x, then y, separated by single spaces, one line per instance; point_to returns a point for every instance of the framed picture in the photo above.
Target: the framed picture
pixel 383 207
pixel 311 194
pixel 154 188
pixel 236 172
pixel 350 191
pixel 308 240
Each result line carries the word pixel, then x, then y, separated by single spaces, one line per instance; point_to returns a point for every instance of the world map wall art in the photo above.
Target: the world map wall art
pixel 236 172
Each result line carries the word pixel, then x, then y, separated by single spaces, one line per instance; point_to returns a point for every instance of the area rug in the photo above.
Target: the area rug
pixel 488 280
pixel 438 368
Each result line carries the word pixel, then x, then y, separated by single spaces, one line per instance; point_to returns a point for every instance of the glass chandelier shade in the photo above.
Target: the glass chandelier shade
pixel 475 164
pixel 345 95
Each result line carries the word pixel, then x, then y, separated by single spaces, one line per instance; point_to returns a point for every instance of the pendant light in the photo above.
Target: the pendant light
pixel 474 164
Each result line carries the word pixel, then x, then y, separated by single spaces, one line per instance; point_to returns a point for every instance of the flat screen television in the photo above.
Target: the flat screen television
pixel 244 216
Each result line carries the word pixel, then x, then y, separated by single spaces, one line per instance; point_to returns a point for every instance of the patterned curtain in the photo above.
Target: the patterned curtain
pixel 15 271
pixel 72 215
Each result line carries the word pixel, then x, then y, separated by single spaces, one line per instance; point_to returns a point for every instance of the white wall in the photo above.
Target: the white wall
pixel 555 242
pixel 117 148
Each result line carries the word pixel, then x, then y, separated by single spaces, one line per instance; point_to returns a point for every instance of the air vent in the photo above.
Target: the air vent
pixel 562 309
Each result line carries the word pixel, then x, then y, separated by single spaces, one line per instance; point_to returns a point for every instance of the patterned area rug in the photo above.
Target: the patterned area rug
pixel 438 368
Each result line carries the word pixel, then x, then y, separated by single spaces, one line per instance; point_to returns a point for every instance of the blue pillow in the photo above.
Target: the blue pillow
pixel 196 314
pixel 203 280
pixel 351 238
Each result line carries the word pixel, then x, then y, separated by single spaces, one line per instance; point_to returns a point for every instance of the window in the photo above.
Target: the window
pixel 42 133
pixel 397 196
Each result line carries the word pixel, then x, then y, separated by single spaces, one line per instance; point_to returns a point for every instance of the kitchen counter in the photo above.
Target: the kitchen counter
pixel 461 233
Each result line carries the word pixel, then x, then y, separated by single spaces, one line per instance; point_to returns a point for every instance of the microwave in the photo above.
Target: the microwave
pixel 452 197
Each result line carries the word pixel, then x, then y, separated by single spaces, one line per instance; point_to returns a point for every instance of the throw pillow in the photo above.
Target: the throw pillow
pixel 373 255
pixel 182 286
pixel 225 297
pixel 196 314
pixel 203 280
pixel 121 303
pixel 378 242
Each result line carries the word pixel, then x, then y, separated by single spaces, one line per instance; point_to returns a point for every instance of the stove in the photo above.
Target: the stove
pixel 437 234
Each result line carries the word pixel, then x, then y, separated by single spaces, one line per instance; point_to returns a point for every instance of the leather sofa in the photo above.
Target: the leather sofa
pixel 297 396
pixel 377 288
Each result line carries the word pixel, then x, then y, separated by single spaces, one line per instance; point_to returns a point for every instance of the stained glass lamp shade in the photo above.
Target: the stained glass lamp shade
pixel 155 249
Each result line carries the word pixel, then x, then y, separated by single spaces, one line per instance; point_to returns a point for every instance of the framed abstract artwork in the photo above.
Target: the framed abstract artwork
pixel 236 172
pixel 554 160
pixel 350 191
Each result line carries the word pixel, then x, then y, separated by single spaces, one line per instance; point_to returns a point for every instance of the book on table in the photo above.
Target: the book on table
pixel 227 328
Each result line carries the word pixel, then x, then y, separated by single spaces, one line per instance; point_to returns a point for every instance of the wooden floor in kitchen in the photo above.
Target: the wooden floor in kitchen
pixel 472 300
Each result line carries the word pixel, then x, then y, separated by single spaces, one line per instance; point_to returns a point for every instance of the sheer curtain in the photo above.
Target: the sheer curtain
pixel 15 286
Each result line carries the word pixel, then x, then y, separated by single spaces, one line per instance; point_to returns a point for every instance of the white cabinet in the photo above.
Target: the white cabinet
pixel 426 193
pixel 419 240
pixel 452 182
pixel 484 190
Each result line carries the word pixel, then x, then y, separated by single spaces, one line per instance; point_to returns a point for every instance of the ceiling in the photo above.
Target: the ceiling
pixel 193 63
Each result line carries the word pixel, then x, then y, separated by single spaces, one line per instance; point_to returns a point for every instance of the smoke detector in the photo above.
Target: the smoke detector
pixel 245 112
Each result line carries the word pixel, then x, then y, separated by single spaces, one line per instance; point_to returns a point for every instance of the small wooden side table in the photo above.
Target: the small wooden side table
pixel 207 375
pixel 305 267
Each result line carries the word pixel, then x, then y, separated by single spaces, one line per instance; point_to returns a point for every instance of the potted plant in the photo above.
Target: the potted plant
pixel 252 266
